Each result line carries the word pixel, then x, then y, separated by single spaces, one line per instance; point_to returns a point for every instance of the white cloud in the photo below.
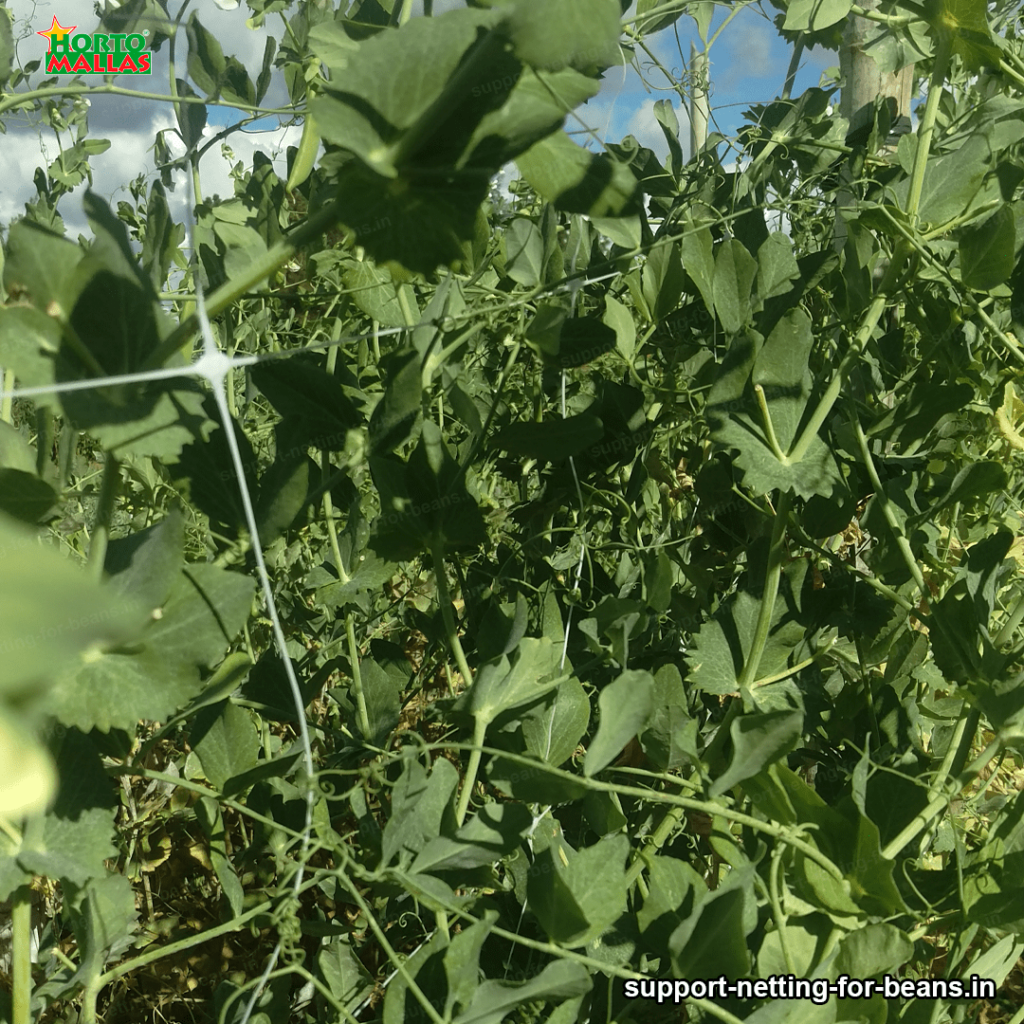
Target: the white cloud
pixel 131 124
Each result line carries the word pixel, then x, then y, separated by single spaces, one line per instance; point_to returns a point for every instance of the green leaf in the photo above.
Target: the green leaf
pixel 675 893
pixel 191 117
pixel 618 318
pixel 225 740
pixel 492 833
pixel 758 740
pixel 577 902
pixel 524 246
pixel 301 389
pixel 383 694
pixel 552 440
pixel 52 611
pixel 419 805
pixel 720 649
pixel 283 491
pixel 554 727
pixel 75 837
pixel 462 962
pixel 425 500
pixel 349 981
pixel 625 705
pixel 533 785
pixel 714 942
pixel 966 22
pixel 395 415
pixel 987 251
pixel 120 686
pixel 206 64
pixel 696 249
pixel 576 180
pixel 536 106
pixel 6 47
pixel 872 950
pixel 500 687
pixel 735 271
pixel 551 34
pixel 951 180
pixel 493 1001
pixel 368 109
pixel 30 781
pixel 24 496
pixel 776 266
pixel 669 738
pixel 39 266
pixel 781 366
pixel 211 819
pixel 104 919
pixel 163 237
pixel 662 280
pixel 646 19
pixel 814 15
pixel 375 292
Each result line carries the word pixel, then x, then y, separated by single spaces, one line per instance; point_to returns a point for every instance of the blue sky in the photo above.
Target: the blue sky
pixel 748 64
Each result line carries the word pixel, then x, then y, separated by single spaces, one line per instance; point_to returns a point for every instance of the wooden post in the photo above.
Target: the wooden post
pixel 699 111
pixel 864 85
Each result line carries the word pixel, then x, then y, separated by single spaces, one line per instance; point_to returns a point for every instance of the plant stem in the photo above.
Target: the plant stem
pixel 925 130
pixel 794 65
pixel 784 833
pixel 455 644
pixel 480 724
pixel 357 677
pixel 887 510
pixel 109 489
pixel 393 957
pixel 939 803
pixel 325 471
pixel 21 965
pixel 769 427
pixel 673 818
pixel 445 600
pixel 773 574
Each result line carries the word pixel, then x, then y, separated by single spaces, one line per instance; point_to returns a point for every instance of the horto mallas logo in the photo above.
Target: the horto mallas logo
pixel 98 53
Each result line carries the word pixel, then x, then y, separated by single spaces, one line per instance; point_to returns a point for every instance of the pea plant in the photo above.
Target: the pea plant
pixel 428 601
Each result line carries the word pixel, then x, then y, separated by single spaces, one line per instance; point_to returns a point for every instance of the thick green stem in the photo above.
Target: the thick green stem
pixel 771 590
pixel 887 510
pixel 455 645
pixel 925 130
pixel 21 965
pixel 393 956
pixel 828 399
pixel 939 803
pixel 109 489
pixel 769 427
pixel 472 768
pixel 794 66
pixel 784 833
pixel 748 673
pixel 673 819
pixel 357 677
pixel 444 598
